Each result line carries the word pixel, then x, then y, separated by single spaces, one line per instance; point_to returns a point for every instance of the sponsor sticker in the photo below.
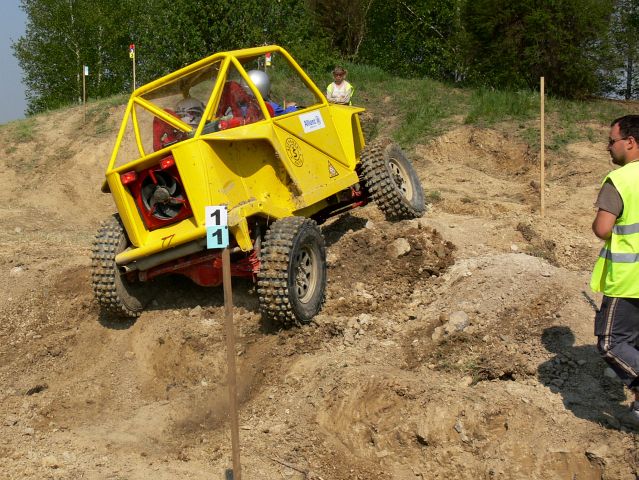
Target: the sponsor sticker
pixel 294 152
pixel 312 121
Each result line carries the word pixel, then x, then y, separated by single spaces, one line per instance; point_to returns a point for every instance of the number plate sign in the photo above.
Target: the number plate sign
pixel 217 229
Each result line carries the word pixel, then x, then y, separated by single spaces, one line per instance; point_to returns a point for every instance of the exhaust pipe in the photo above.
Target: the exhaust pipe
pixel 165 256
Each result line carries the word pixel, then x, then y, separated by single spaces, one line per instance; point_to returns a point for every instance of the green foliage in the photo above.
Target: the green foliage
pixel 512 44
pixel 618 71
pixel 576 44
pixel 489 106
pixel 60 38
pixel 411 37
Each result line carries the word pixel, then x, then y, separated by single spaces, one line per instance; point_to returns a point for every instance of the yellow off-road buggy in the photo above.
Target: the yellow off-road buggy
pixel 280 160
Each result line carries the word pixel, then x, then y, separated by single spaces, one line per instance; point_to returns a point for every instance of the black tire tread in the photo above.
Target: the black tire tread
pixel 273 276
pixel 105 276
pixel 380 185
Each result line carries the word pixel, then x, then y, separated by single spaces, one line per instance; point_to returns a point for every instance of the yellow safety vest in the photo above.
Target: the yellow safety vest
pixel 349 89
pixel 616 272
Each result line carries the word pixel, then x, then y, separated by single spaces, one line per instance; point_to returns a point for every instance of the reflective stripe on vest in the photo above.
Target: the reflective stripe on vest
pixel 616 272
pixel 626 229
pixel 619 257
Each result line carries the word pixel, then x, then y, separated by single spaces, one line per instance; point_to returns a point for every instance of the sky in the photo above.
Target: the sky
pixel 12 25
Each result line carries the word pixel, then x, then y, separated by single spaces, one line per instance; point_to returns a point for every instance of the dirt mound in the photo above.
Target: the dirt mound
pixel 456 346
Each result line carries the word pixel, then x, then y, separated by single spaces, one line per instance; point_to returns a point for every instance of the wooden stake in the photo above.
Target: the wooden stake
pixel 542 180
pixel 84 92
pixel 230 358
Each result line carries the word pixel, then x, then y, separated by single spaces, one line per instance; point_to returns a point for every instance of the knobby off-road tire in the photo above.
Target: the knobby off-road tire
pixel 292 277
pixel 117 296
pixel 391 181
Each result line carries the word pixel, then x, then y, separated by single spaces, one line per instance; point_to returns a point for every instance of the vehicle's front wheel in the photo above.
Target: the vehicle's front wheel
pixel 391 181
pixel 115 294
pixel 292 277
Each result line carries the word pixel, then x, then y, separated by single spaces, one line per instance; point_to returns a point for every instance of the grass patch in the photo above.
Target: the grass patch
pixel 426 108
pixel 488 106
pixel 23 130
pixel 100 117
pixel 433 196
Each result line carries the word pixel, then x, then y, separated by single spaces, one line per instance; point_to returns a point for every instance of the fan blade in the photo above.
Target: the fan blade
pixel 147 195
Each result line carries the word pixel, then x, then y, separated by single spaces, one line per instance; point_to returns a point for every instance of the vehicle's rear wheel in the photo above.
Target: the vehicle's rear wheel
pixel 292 278
pixel 391 181
pixel 115 294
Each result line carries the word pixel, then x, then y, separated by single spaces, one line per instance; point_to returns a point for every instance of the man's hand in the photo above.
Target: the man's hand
pixel 603 223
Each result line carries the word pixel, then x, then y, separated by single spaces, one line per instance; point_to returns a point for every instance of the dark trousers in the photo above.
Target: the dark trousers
pixel 617 326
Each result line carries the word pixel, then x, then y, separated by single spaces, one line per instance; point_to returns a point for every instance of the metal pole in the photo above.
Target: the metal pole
pixel 542 181
pixel 230 358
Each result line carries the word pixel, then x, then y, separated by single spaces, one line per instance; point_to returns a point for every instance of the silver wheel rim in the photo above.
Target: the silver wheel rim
pixel 401 178
pixel 306 273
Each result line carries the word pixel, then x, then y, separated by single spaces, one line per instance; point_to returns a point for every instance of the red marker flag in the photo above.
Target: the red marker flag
pixel 132 50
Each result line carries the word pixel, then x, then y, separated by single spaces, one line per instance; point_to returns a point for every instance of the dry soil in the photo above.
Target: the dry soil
pixel 471 356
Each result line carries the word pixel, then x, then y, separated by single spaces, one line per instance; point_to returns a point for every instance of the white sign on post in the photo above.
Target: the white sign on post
pixel 217 229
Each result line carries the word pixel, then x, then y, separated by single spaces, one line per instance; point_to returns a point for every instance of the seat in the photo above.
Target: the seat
pixel 165 134
pixel 239 103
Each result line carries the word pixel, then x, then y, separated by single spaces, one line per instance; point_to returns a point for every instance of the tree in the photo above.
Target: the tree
pixel 344 22
pixel 513 43
pixel 411 37
pixel 63 35
pixel 619 72
pixel 183 31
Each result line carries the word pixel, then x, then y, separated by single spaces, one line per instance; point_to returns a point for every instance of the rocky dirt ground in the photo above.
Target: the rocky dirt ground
pixel 469 356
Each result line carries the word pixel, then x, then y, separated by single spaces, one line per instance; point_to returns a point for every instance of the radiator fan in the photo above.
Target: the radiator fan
pixel 162 195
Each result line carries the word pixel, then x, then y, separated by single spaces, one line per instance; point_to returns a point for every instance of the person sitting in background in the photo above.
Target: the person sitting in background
pixel 340 91
pixel 263 84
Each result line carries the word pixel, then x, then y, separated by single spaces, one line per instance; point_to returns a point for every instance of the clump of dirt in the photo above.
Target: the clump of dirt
pixel 538 247
pixel 381 263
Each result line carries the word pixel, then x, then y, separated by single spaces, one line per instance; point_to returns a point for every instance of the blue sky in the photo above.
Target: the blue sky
pixel 12 24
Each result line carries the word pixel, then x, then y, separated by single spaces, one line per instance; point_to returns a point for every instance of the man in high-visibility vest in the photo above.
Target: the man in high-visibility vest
pixel 616 273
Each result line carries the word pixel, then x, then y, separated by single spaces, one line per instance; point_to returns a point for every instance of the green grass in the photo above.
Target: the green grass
pixel 488 107
pixel 432 196
pixel 23 130
pixel 416 110
pixel 420 108
pixel 99 113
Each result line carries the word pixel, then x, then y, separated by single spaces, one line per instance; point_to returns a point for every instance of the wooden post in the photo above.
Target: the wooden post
pixel 132 57
pixel 542 180
pixel 230 358
pixel 84 91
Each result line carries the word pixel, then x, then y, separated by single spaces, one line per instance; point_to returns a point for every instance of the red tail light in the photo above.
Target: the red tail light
pixel 128 177
pixel 168 162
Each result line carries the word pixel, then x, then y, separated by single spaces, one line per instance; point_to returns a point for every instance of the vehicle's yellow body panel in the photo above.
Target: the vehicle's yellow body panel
pixel 273 167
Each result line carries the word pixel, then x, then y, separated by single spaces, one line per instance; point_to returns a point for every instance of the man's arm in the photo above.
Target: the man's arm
pixel 603 223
